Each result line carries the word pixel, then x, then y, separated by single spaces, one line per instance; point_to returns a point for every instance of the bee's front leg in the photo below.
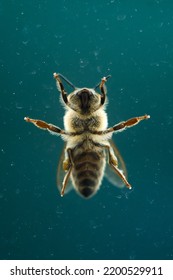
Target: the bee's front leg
pixel 46 126
pixel 61 88
pixel 103 89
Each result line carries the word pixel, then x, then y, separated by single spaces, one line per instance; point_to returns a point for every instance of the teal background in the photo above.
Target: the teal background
pixel 86 40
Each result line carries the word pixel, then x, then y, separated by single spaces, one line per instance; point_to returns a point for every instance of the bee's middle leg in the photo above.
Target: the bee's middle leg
pixel 122 125
pixel 126 124
pixel 46 126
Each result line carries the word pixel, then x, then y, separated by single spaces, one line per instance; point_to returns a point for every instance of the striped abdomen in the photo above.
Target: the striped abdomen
pixel 88 170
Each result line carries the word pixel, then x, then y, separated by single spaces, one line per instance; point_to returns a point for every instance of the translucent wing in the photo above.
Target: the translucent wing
pixel 61 173
pixel 110 174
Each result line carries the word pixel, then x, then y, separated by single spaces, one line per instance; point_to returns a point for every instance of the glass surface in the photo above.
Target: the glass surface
pixel 86 40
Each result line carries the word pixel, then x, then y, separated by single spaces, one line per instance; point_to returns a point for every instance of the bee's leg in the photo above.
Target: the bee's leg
pixel 65 181
pixel 67 165
pixel 122 125
pixel 114 164
pixel 61 88
pixel 121 175
pixel 103 89
pixel 131 122
pixel 46 126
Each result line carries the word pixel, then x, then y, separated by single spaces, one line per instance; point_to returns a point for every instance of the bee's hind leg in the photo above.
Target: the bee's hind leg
pixel 67 166
pixel 114 164
pixel 65 181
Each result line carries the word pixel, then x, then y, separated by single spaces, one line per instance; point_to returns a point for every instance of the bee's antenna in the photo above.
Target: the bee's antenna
pixel 66 80
pixel 106 78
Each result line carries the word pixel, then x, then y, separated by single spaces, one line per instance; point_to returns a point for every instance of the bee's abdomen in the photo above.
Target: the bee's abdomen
pixel 87 172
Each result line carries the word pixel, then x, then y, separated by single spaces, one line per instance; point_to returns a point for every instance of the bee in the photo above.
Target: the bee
pixel 89 151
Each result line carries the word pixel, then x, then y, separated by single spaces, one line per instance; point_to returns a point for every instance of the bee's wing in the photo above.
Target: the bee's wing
pixel 110 174
pixel 61 174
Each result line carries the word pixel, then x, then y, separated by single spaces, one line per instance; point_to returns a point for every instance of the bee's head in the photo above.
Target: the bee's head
pixel 82 100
